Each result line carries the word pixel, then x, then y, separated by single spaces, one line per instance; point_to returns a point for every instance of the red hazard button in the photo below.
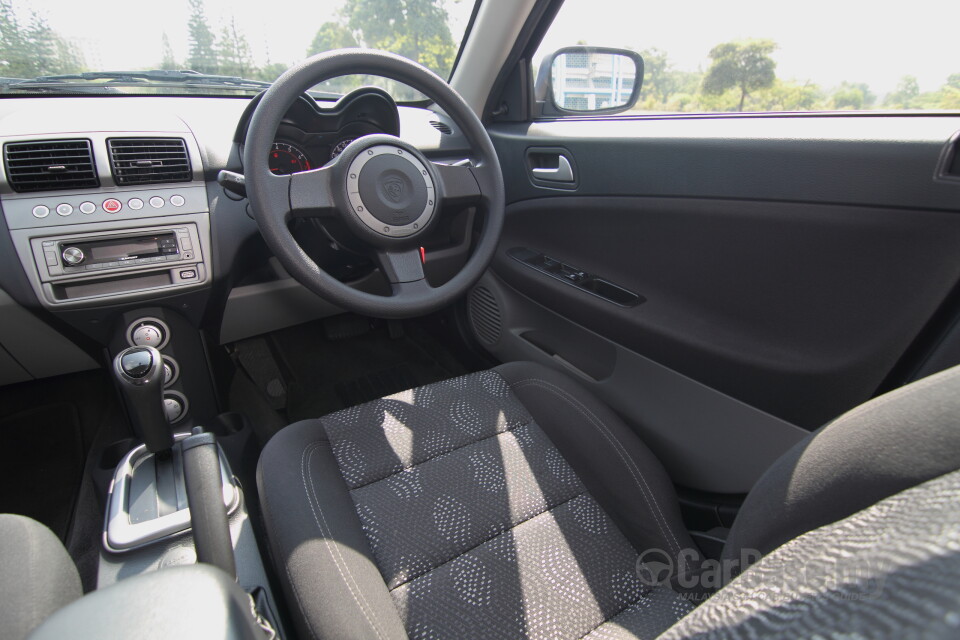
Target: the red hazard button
pixel 111 205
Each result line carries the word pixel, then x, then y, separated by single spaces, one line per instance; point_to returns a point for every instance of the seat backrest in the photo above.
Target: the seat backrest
pixel 889 444
pixel 889 571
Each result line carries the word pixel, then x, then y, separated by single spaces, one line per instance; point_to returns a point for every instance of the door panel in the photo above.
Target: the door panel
pixel 788 263
pixel 705 438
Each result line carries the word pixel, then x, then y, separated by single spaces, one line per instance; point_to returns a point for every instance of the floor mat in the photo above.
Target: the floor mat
pixel 324 375
pixel 376 385
pixel 41 464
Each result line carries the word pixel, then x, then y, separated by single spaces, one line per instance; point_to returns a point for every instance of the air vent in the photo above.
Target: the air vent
pixel 484 315
pixel 149 160
pixel 441 127
pixel 50 165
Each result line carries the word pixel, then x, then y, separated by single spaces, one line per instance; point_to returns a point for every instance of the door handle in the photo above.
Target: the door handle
pixel 563 172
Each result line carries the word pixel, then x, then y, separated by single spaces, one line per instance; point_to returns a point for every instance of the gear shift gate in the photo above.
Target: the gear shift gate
pixel 136 516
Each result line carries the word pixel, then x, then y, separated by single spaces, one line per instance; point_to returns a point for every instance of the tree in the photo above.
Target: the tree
pixel 332 35
pixel 14 51
pixel 203 55
pixel 853 96
pixel 657 80
pixel 415 29
pixel 168 61
pixel 34 49
pixel 269 71
pixel 953 81
pixel 788 96
pixel 43 41
pixel 903 97
pixel 744 65
pixel 233 51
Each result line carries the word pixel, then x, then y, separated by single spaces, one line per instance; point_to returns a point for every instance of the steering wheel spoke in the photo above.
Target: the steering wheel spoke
pixel 310 194
pixel 458 184
pixel 403 270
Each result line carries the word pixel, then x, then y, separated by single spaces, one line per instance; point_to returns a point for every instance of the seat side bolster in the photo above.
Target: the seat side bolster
pixel 317 542
pixel 616 467
pixel 889 444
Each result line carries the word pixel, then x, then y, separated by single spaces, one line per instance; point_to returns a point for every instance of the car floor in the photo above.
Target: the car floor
pixel 48 428
pixel 310 370
pixel 62 436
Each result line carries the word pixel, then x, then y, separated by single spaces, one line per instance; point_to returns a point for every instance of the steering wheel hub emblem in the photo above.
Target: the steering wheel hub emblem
pixel 393 187
pixel 390 191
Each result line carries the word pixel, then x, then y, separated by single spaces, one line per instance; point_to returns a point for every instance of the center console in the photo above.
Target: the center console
pixel 112 230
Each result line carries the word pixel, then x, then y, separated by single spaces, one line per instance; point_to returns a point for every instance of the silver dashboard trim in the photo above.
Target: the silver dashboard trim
pixel 119 534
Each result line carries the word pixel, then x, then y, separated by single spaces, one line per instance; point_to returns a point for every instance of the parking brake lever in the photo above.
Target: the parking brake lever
pixel 208 514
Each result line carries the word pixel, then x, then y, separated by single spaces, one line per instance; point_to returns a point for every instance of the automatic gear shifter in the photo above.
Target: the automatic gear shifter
pixel 139 371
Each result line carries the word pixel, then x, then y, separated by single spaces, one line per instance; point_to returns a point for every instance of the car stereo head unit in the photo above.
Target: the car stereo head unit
pixel 121 251
pixel 95 253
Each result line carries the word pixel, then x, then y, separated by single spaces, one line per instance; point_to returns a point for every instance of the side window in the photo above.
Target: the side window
pixel 749 56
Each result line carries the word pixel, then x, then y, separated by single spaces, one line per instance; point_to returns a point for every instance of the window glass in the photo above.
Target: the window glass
pixel 759 56
pixel 248 39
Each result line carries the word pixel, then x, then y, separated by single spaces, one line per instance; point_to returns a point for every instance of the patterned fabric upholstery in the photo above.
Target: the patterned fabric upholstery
pixel 889 571
pixel 479 526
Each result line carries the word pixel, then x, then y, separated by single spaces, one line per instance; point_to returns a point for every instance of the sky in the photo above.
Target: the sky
pixel 821 41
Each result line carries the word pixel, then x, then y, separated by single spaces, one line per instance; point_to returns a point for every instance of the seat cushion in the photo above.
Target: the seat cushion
pixel 891 571
pixel 507 503
pixel 38 576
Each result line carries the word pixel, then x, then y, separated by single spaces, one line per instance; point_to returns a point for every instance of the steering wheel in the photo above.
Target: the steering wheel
pixel 386 191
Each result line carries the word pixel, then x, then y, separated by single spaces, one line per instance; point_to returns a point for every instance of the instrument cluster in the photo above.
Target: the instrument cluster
pixel 313 134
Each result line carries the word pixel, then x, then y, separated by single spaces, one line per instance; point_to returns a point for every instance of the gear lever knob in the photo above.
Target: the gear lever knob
pixel 139 373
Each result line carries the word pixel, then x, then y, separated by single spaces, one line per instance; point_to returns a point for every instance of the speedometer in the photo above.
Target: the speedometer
pixel 339 147
pixel 286 158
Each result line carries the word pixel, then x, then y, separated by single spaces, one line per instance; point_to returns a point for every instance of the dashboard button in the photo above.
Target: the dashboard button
pixel 135 203
pixel 64 209
pixel 41 211
pixel 112 205
pixel 173 408
pixel 51 257
pixel 147 335
pixel 156 202
pixel 177 200
pixel 87 208
pixel 188 274
pixel 72 256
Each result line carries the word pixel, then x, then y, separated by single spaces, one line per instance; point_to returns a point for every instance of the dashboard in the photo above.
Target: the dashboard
pixel 122 229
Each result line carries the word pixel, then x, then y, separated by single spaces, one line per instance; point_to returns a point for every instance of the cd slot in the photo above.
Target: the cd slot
pixel 112 286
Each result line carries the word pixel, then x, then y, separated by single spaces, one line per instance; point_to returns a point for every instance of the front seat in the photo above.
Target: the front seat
pixel 37 575
pixel 512 503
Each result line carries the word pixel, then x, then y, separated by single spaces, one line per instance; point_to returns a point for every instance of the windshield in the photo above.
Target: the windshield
pixel 117 46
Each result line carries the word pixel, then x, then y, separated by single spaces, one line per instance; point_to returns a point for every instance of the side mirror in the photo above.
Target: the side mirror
pixel 584 80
